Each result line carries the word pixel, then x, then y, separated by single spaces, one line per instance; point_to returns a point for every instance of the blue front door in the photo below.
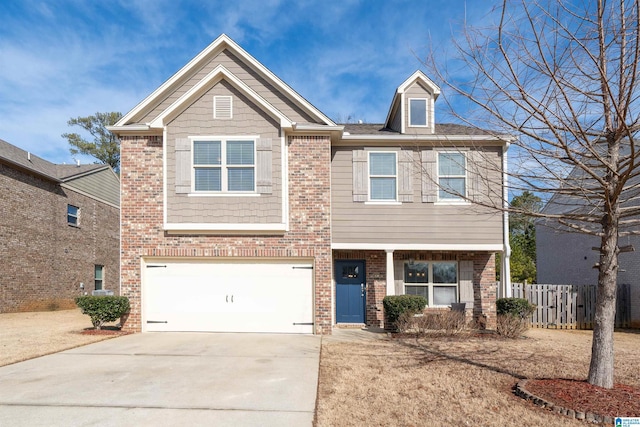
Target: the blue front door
pixel 350 291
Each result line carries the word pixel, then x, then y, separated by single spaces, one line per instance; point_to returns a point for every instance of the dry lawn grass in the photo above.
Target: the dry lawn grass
pixel 27 335
pixel 454 381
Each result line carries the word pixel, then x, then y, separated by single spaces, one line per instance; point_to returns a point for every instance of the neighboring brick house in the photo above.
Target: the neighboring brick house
pixel 245 208
pixel 59 229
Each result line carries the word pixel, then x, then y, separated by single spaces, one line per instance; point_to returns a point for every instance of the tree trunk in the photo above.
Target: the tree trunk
pixel 601 367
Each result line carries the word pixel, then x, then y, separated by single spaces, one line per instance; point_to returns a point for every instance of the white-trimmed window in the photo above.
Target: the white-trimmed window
pixel 224 165
pixel 437 281
pixel 383 175
pixel 73 215
pixel 418 112
pixel 452 176
pixel 98 278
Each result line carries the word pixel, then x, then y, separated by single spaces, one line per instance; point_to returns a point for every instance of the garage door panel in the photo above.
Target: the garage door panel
pixel 228 297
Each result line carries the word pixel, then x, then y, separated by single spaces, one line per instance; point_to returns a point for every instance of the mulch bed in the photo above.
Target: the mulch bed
pixel 620 401
pixel 106 330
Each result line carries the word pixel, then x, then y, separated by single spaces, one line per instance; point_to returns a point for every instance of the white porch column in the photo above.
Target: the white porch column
pixel 391 283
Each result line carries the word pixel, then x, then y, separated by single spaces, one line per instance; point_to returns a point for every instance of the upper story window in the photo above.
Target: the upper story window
pixel 418 112
pixel 383 176
pixel 452 176
pixel 73 215
pixel 224 165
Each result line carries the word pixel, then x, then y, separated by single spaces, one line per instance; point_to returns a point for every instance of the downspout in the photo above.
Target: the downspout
pixel 505 275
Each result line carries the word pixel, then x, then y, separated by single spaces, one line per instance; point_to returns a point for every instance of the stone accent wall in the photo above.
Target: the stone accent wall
pixel 43 260
pixel 309 234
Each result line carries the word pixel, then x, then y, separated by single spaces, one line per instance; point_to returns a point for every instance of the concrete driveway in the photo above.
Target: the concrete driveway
pixel 167 379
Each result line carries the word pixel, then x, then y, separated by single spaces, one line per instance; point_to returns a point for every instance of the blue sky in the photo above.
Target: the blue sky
pixel 63 59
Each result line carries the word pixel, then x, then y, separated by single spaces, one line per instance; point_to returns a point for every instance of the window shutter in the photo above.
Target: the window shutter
pixel 264 163
pixel 476 167
pixel 429 176
pixel 466 282
pixel 405 176
pixel 222 107
pixel 183 165
pixel 360 176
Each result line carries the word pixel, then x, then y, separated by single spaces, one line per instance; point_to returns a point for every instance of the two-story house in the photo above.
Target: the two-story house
pixel 59 231
pixel 245 208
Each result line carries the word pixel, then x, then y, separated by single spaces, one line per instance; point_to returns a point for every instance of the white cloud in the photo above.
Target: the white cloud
pixel 80 57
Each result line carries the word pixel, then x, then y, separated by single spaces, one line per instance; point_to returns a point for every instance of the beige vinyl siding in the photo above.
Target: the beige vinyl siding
pixel 244 73
pixel 417 222
pixel 396 120
pixel 417 91
pixel 248 119
pixel 103 185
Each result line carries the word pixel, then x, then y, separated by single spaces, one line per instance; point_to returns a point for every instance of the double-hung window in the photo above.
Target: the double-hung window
pixel 436 281
pixel 73 215
pixel 224 165
pixel 418 112
pixel 452 176
pixel 383 176
pixel 98 277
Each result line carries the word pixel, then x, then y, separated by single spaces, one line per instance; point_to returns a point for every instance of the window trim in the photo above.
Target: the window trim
pixel 370 200
pixel 76 215
pixel 224 168
pixel 95 278
pixel 454 199
pixel 426 113
pixel 430 284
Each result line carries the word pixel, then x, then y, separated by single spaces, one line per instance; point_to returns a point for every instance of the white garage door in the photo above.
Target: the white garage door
pixel 245 296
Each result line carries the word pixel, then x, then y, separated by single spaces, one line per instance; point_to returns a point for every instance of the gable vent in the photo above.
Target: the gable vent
pixel 222 107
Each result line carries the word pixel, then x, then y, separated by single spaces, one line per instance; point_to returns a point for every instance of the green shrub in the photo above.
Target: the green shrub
pixel 395 305
pixel 103 309
pixel 516 307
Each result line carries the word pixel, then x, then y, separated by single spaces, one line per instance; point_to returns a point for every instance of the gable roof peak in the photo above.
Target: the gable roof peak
pixel 419 76
pixel 222 42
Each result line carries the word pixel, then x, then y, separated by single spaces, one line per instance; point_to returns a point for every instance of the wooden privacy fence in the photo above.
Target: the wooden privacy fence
pixel 570 306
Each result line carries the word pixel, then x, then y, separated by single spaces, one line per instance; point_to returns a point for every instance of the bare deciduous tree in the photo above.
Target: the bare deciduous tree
pixel 563 78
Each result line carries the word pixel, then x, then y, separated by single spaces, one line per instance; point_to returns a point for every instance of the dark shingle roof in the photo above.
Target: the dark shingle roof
pixel 30 161
pixel 23 159
pixel 441 129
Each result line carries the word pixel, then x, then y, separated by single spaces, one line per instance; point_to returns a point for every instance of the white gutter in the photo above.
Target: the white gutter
pixel 316 127
pixel 395 137
pixel 505 275
pixel 131 128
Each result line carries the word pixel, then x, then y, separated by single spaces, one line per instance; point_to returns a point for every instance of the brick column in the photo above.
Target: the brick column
pixel 310 214
pixel 484 289
pixel 140 214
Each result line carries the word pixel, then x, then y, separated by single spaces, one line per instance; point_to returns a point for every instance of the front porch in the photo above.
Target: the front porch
pixel 362 278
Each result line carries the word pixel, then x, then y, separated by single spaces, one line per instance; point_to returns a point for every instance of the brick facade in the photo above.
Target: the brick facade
pixel 485 289
pixel 484 280
pixel 43 260
pixel 376 282
pixel 309 221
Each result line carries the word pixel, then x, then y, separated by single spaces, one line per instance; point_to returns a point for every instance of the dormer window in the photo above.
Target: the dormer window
pixel 418 112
